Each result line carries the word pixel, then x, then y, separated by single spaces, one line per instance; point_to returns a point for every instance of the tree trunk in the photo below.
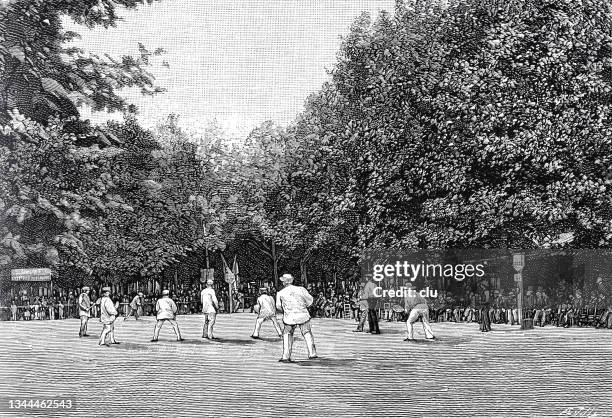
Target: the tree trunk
pixel 335 280
pixel 275 264
pixel 303 275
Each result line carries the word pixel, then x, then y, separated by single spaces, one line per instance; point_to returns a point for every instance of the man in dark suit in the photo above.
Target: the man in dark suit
pixel 372 299
pixel 605 295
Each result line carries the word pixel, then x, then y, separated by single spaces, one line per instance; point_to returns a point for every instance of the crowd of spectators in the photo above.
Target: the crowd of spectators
pixel 63 304
pixel 562 307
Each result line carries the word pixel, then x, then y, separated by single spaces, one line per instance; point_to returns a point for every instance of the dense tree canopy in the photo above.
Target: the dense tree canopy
pixel 473 123
pixel 477 124
pixel 43 76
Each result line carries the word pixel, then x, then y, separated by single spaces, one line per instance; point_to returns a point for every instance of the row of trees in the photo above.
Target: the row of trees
pixel 474 123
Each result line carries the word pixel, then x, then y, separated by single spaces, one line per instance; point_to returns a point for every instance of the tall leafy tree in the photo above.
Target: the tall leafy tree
pixel 477 123
pixel 50 191
pixel 41 75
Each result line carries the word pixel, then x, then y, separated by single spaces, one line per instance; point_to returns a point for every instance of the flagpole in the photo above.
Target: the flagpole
pixel 230 297
pixel 226 268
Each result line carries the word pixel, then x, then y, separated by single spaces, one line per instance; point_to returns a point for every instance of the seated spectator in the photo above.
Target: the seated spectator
pixel 468 314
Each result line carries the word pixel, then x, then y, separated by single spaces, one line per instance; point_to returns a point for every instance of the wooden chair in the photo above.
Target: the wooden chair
pixel 592 317
pixel 347 311
pixel 386 313
pixel 397 312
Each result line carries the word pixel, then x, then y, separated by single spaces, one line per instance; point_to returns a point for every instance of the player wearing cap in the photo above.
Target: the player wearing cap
pixel 416 307
pixel 166 311
pixel 294 302
pixel 265 309
pixel 210 306
pixel 84 310
pixel 134 306
pixel 108 314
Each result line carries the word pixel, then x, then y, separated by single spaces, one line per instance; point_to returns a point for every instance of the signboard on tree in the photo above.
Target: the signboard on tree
pixel 206 274
pixel 230 277
pixel 31 275
pixel 518 262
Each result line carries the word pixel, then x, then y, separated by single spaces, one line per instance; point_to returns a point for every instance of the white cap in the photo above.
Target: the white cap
pixel 286 278
pixel 209 281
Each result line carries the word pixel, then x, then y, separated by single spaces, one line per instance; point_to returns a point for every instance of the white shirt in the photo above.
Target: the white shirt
pixel 266 306
pixel 209 300
pixel 135 302
pixel 107 311
pixel 166 308
pixel 294 301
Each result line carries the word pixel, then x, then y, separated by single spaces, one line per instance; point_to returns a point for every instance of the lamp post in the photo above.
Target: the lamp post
pixel 518 262
pixel 201 225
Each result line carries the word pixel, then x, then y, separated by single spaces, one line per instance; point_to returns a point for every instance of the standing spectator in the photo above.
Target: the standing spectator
pixel 457 310
pixel 485 318
pixel 71 304
pixel 36 308
pixel 319 305
pixel 239 299
pixel 60 309
pixel 194 303
pixel 605 296
pixel 95 308
pixel 362 304
pixel 52 308
pixel 125 305
pixel 43 308
pixel 13 310
pixel 450 305
pixel 222 302
pixel 496 314
pixel 511 309
pixel 530 303
pixel 369 293
pixel 354 305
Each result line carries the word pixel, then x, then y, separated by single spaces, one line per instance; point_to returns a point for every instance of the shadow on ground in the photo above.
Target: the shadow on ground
pixel 269 340
pixel 326 362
